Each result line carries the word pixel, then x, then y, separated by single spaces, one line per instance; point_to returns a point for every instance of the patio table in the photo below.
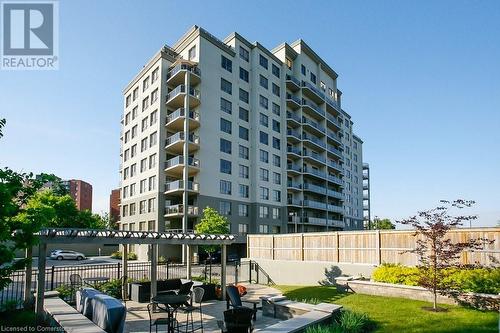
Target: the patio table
pixel 94 281
pixel 108 313
pixel 171 302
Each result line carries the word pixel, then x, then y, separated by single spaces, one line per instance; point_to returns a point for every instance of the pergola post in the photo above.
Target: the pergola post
pixel 40 287
pixel 188 262
pixel 154 275
pixel 124 276
pixel 28 276
pixel 223 271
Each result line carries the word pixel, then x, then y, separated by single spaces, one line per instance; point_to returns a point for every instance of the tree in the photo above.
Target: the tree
pixel 436 252
pixel 212 223
pixel 381 224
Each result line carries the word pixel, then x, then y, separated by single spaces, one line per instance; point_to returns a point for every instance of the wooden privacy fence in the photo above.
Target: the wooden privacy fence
pixel 364 247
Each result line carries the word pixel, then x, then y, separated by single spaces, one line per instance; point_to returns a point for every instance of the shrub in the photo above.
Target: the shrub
pixel 65 291
pixel 397 274
pixel 112 288
pixel 346 322
pixel 118 255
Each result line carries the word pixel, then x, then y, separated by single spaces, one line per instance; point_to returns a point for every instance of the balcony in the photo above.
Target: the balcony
pixel 175 166
pixel 292 119
pixel 335 194
pixel 336 152
pixel 293 152
pixel 315 204
pixel 315 220
pixel 177 187
pixel 175 98
pixel 314 157
pixel 313 92
pixel 293 186
pixel 293 136
pixel 293 169
pixel 332 105
pixel 294 202
pixel 314 172
pixel 314 188
pixel 333 120
pixel 334 137
pixel 178 211
pixel 177 75
pixel 335 180
pixel 175 143
pixel 312 109
pixel 313 126
pixel 335 209
pixel 313 141
pixel 293 102
pixel 175 120
pixel 336 223
pixel 292 83
pixel 334 165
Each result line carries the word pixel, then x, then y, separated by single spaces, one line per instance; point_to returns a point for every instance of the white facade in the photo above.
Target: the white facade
pixel 269 145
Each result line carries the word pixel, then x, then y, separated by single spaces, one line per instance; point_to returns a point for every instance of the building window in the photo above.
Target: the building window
pixel 225 166
pixel 276 213
pixel 243 171
pixel 226 86
pixel 133 151
pixel 276 143
pixel 225 207
pixel 134 112
pixel 276 70
pixel 145 103
pixel 243 95
pixel 133 170
pixel 243 210
pixel 132 189
pixel 243 74
pixel 264 174
pixel 264 193
pixel 226 105
pixel 276 160
pixel 263 119
pixel 152 139
pixel 144 164
pixel 127 136
pixel 313 78
pixel 225 146
pixel 263 102
pixel 276 126
pixel 322 85
pixel 277 178
pixel 244 114
pixel 276 90
pixel 244 54
pixel 263 81
pixel 225 126
pixel 303 69
pixel 154 96
pixel 144 144
pixel 144 124
pixel 125 192
pixel 243 133
pixel 276 109
pixel 127 100
pixel 263 61
pixel 127 118
pixel 152 183
pixel 132 209
pixel 134 131
pixel 153 118
pixel 244 191
pixel 154 75
pixel 192 53
pixel 264 138
pixel 243 152
pixel 289 63
pixel 142 186
pixel 142 206
pixel 225 187
pixel 226 64
pixel 277 195
pixel 125 173
pixel 126 155
pixel 263 212
pixel 152 161
pixel 145 84
pixel 125 210
pixel 264 156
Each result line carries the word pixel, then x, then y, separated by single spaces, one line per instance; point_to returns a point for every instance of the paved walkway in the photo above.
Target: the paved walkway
pixel 138 320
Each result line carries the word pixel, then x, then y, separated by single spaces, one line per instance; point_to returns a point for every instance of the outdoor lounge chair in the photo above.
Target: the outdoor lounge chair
pixel 237 320
pixel 234 300
pixel 76 280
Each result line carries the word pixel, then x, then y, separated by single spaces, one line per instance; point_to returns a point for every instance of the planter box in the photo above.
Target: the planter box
pixel 141 291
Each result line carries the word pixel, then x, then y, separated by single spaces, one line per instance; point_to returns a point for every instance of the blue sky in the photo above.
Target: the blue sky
pixel 420 79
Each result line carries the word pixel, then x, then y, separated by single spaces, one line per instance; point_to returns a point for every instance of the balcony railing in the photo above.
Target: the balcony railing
pixel 333 103
pixel 179 185
pixel 334 165
pixel 314 188
pixel 335 194
pixel 179 136
pixel 182 90
pixel 180 67
pixel 333 119
pixel 314 139
pixel 181 112
pixel 317 157
pixel 315 204
pixel 291 115
pixel 315 172
pixel 313 88
pixel 293 98
pixel 178 160
pixel 335 179
pixel 335 150
pixel 295 202
pixel 293 133
pixel 293 79
pixel 335 209
pixel 313 124
pixel 293 150
pixel 293 184
pixel 293 167
pixel 179 209
pixel 305 102
pixel 334 136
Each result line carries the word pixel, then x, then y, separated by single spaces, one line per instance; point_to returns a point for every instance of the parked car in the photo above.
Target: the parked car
pixel 66 254
pixel 215 258
pixel 233 257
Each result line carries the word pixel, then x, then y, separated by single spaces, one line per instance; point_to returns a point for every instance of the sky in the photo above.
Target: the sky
pixel 420 79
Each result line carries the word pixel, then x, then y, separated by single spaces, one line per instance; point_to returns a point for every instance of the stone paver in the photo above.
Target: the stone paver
pixel 138 321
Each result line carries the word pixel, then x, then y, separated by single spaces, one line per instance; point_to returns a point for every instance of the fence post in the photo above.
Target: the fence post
pixel 118 271
pixel 338 246
pixel 257 272
pixel 377 245
pixel 302 247
pixel 52 278
pixel 168 268
pixel 272 247
pixel 236 273
pixel 250 271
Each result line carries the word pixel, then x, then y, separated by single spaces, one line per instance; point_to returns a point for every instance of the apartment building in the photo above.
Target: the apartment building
pixel 366 196
pixel 114 205
pixel 257 134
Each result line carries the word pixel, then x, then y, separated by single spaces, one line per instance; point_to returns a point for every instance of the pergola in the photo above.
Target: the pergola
pixel 122 237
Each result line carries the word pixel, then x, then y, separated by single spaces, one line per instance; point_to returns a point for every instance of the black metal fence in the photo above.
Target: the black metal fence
pixel 56 276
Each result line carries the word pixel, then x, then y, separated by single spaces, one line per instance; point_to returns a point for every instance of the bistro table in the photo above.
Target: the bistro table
pixel 94 281
pixel 171 302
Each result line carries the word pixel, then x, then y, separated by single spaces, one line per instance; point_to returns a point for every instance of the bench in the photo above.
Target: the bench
pixel 69 318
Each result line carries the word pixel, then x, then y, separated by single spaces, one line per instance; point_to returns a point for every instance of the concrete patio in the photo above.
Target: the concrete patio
pixel 138 320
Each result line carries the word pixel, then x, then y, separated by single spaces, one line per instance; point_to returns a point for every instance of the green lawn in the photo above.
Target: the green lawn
pixel 398 314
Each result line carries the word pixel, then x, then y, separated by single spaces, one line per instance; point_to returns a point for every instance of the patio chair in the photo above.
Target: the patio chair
pixel 157 316
pixel 234 300
pixel 76 280
pixel 197 298
pixel 237 320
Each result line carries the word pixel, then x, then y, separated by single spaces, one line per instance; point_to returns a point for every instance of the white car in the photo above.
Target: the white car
pixel 66 254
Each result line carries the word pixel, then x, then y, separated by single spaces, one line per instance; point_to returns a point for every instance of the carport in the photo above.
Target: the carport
pixel 122 237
